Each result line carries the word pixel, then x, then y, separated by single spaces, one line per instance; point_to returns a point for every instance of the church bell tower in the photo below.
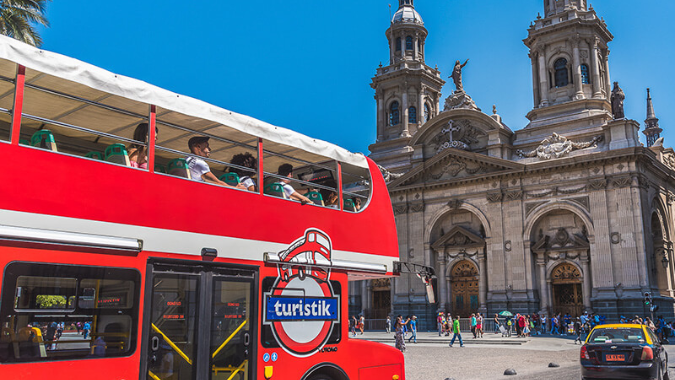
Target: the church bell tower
pixel 407 91
pixel 570 67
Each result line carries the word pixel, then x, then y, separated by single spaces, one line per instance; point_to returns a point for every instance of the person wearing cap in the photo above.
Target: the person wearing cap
pixel 199 169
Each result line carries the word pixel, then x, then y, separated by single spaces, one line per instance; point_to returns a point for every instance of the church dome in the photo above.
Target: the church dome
pixel 407 13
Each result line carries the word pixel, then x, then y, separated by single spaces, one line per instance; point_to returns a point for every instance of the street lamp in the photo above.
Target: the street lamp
pixel 664 261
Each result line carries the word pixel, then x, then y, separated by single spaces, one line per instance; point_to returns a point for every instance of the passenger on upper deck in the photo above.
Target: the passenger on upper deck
pixel 246 160
pixel 286 170
pixel 138 153
pixel 199 169
pixel 330 197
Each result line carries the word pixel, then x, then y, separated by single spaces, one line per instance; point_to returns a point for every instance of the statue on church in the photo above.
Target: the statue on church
pixel 457 75
pixel 617 101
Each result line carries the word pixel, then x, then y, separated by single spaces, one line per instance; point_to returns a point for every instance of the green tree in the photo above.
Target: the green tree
pixel 50 302
pixel 18 19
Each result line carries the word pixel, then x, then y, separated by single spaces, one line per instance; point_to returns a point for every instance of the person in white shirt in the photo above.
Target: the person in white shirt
pixel 199 169
pixel 286 170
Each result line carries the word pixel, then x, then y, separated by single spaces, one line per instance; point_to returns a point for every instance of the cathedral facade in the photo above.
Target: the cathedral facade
pixel 569 214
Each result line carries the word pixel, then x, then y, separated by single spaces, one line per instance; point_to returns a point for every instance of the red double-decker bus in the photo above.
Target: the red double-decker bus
pixel 149 235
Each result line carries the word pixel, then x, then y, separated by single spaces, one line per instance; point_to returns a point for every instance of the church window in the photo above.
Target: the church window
pixel 427 112
pixel 398 43
pixel 408 43
pixel 412 115
pixel 561 75
pixel 585 77
pixel 394 118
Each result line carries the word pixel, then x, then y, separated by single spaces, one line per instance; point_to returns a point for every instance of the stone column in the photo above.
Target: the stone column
pixel 364 296
pixel 543 285
pixel 535 79
pixel 404 110
pixel 392 49
pixel 442 284
pixel 403 46
pixel 543 78
pixel 608 83
pixel 587 280
pixel 595 69
pixel 420 107
pixel 576 70
pixel 482 284
pixel 415 51
pixel 381 119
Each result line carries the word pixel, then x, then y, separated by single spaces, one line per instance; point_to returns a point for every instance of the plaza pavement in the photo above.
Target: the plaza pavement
pixel 487 358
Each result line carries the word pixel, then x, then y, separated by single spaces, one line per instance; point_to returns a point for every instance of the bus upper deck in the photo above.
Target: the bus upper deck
pixel 69 132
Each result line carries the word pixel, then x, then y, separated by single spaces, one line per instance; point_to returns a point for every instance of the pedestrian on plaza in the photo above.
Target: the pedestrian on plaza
pixel 440 323
pixel 388 324
pixel 521 325
pixel 362 323
pixel 479 325
pixel 578 329
pixel 413 329
pixel 456 333
pixel 650 324
pixel 526 326
pixel 497 324
pixel 473 325
pixel 448 324
pixel 554 325
pixel 543 323
pixel 509 326
pixel 398 337
pixel 354 323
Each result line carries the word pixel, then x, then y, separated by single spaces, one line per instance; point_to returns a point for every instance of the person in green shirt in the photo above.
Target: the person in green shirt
pixel 456 333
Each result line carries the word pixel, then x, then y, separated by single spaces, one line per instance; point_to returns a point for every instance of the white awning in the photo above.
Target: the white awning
pixel 71 69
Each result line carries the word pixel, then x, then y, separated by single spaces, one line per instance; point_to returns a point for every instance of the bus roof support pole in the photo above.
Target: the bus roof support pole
pixel 17 110
pixel 152 134
pixel 339 184
pixel 261 176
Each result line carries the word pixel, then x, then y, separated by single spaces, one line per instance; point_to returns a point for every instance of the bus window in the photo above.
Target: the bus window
pixel 356 187
pixel 6 98
pixel 313 178
pixel 231 158
pixel 67 117
pixel 44 317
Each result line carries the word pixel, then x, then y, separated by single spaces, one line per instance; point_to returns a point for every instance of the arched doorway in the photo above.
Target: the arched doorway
pixel 566 287
pixel 464 287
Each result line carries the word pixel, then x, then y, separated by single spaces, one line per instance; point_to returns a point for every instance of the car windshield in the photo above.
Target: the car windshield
pixel 617 335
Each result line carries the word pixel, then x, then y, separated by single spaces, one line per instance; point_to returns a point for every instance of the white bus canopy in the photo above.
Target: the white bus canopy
pixel 235 124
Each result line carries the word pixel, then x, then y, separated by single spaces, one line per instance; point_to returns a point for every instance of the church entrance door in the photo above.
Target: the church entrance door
pixel 381 299
pixel 567 293
pixel 464 286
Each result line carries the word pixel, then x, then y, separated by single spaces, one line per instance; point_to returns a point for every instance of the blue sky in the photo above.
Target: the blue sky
pixel 307 65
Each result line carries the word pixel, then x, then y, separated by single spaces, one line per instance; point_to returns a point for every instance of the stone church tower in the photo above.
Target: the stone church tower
pixel 407 91
pixel 567 214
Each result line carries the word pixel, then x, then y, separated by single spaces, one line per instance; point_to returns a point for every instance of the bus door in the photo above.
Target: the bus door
pixel 200 322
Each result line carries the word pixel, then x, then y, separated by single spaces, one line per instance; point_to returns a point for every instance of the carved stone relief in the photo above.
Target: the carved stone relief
pixel 513 195
pixel 458 134
pixel 400 209
pixel 416 207
pixel 455 166
pixel 622 181
pixel 597 184
pixel 557 146
pixel 494 197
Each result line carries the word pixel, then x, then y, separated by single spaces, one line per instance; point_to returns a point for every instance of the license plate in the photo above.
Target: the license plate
pixel 615 357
